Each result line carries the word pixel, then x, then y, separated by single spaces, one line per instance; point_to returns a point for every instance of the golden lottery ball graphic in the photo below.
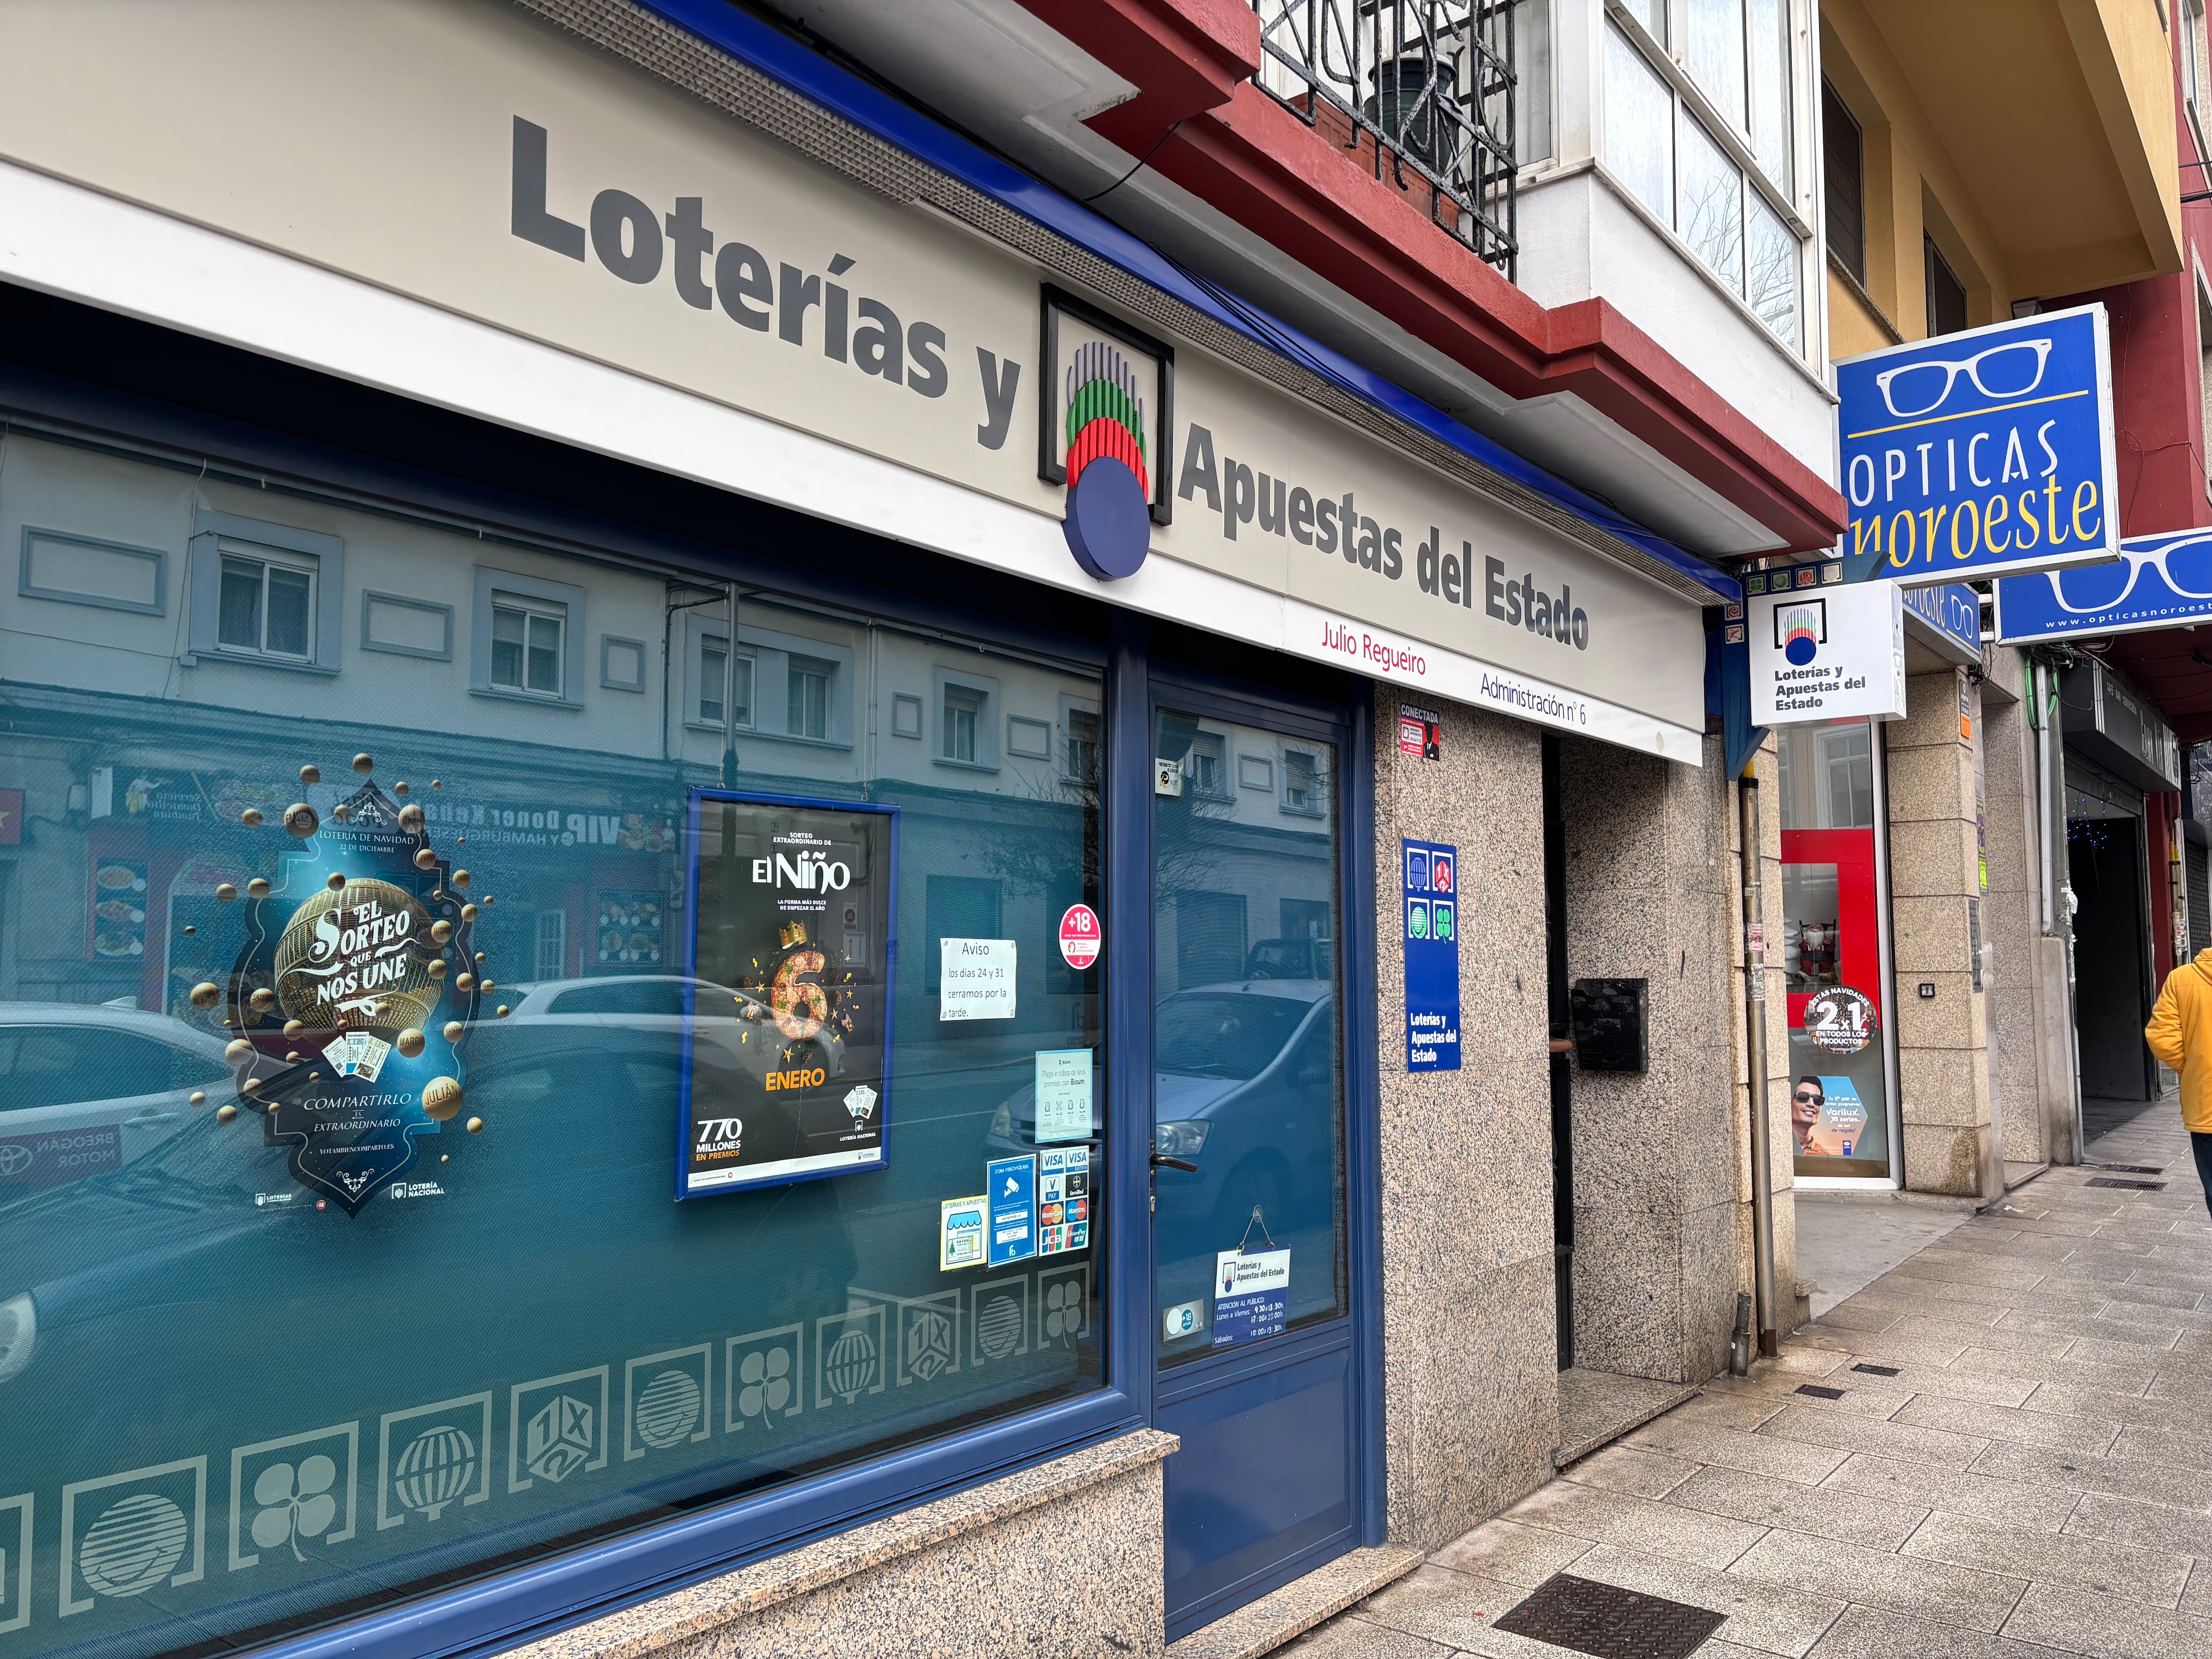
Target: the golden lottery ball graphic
pixel 441 1099
pixel 409 1043
pixel 225 893
pixel 226 1113
pixel 352 960
pixel 251 817
pixel 262 1001
pixel 441 931
pixel 238 1051
pixel 363 764
pixel 476 1125
pixel 424 858
pixel 256 888
pixel 455 1031
pixel 300 818
pixel 206 994
pixel 311 775
pixel 410 819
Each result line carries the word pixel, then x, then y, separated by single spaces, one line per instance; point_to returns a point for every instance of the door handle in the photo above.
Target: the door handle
pixel 1162 1161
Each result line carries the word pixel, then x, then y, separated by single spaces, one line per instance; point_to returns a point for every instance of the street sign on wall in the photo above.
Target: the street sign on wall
pixel 1982 454
pixel 2158 581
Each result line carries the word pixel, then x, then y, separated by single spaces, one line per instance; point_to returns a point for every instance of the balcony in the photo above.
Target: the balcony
pixel 1420 91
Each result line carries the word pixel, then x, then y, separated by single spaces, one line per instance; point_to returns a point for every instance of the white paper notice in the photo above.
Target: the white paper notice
pixel 975 978
pixel 1063 1095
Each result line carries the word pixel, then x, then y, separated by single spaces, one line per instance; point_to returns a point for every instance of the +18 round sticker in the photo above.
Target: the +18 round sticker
pixel 1081 938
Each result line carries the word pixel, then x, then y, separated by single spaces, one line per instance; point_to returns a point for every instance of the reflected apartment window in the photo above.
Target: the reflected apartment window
pixel 1844 152
pixel 807 706
pixel 265 607
pixel 526 650
pixel 963 713
pixel 1081 762
pixel 1299 791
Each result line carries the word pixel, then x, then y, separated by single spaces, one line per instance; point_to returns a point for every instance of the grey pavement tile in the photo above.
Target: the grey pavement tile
pixel 2192 1414
pixel 2154 1575
pixel 1348 1635
pixel 1864 1313
pixel 1512 1553
pixel 2133 1377
pixel 1888 1347
pixel 1825 1511
pixel 1807 1364
pixel 1899 1583
pixel 2086 1267
pixel 2141 1332
pixel 1867 1394
pixel 2197 1598
pixel 2195 1343
pixel 1935 1295
pixel 2148 1526
pixel 1986 1498
pixel 1870 1633
pixel 1815 1426
pixel 2103 1351
pixel 1760 1453
pixel 1455 1608
pixel 1966 1268
pixel 2147 1483
pixel 2154 1445
pixel 2172 1276
pixel 1745 1411
pixel 2156 1296
pixel 2004 1337
pixel 1635 1523
pixel 1623 1468
pixel 2012 1245
pixel 1771 1618
pixel 1944 1383
pixel 2049 1428
pixel 2181 1385
pixel 2106 1627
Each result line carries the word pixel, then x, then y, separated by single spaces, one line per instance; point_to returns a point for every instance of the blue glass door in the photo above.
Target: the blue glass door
pixel 1252 1286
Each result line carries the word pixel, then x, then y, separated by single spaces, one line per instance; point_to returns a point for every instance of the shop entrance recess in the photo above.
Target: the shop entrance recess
pixel 1260 1181
pixel 1831 951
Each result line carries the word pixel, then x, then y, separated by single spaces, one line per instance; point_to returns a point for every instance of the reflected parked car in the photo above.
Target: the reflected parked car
pixel 84 1091
pixel 1244 1087
pixel 739 1022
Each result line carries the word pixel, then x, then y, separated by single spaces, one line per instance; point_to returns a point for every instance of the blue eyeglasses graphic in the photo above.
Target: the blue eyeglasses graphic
pixel 2011 370
pixel 2186 567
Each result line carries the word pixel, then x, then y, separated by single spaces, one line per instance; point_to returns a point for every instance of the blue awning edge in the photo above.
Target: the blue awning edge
pixel 765 50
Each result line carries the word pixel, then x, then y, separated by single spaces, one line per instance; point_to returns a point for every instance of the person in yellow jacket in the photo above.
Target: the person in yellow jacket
pixel 2180 1035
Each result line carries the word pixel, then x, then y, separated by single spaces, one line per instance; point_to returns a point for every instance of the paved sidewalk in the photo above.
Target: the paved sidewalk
pixel 2030 1475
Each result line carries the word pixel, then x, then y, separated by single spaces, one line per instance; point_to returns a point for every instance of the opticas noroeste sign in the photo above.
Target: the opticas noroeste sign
pixel 2158 581
pixel 1982 453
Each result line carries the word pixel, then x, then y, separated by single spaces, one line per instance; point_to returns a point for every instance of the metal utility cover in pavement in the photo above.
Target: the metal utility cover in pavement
pixel 1877 1370
pixel 1609 1622
pixel 2134 1169
pixel 2131 1185
pixel 1819 1392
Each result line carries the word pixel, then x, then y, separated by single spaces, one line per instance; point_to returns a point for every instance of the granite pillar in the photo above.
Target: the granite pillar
pixel 1470 1392
pixel 1950 1135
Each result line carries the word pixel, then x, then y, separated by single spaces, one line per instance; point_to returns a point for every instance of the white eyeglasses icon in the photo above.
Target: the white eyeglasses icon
pixel 2195 581
pixel 2006 364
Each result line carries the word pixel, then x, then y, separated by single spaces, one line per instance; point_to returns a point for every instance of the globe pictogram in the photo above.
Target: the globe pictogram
pixel 438 1466
pixel 851 1365
pixel 134 1545
pixel 668 1410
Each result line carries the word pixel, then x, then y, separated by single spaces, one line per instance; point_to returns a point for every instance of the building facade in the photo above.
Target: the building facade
pixel 801 815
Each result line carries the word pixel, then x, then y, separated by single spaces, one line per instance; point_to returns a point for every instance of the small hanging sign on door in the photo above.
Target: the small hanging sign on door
pixel 1251 1295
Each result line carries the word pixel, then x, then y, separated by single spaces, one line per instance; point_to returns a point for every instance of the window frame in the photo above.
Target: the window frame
pixel 323 556
pixel 550 594
pixel 1315 809
pixel 1064 747
pixel 530 610
pixel 1690 103
pixel 985 689
pixel 27 587
pixel 700 632
pixel 2191 46
pixel 1832 101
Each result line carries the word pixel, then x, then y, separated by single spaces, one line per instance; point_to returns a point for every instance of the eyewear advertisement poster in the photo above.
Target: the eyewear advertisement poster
pixel 788 1042
pixel 1251 1296
pixel 1982 453
pixel 1827 1118
pixel 2158 581
pixel 1429 871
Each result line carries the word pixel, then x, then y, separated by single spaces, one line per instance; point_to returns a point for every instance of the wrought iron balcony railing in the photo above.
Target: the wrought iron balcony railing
pixel 1423 90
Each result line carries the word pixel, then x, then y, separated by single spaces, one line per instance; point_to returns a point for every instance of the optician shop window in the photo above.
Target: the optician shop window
pixel 352 1028
pixel 1831 951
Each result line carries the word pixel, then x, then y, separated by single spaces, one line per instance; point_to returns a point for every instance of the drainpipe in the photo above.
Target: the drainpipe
pixel 1762 1160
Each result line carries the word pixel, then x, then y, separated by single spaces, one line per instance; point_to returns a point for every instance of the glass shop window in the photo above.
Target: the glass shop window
pixel 1829 950
pixel 349 1059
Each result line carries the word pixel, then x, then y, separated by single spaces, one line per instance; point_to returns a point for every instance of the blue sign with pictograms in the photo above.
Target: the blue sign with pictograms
pixel 1982 453
pixel 1430 917
pixel 1954 610
pixel 2158 581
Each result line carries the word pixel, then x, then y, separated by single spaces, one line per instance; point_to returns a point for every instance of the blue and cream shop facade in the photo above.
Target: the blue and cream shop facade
pixel 713 888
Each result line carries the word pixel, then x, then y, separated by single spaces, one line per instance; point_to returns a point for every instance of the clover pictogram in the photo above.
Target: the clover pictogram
pixel 296 1503
pixel 767 1379
pixel 1063 1310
